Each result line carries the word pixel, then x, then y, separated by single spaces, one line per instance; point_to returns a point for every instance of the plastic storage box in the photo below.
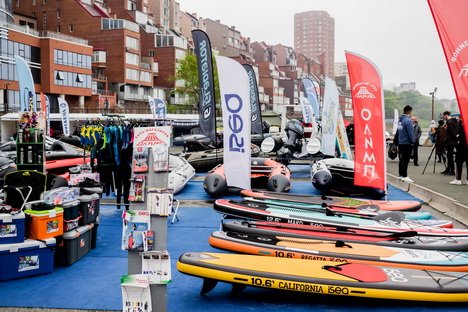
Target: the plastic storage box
pixel 71 215
pixel 29 258
pixel 89 208
pixel 75 244
pixel 94 233
pixel 12 228
pixel 43 224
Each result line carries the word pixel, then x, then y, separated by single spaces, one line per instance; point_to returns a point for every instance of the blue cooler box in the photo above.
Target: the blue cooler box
pixel 25 259
pixel 11 228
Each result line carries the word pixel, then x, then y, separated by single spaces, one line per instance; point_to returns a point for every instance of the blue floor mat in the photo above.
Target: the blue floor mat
pixel 94 281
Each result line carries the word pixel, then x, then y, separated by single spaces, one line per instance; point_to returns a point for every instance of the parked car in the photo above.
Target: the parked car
pixel 55 149
pixel 60 156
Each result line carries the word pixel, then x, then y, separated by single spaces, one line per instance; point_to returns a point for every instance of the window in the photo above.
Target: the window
pixel 59 14
pixel 132 74
pixel 131 58
pixel 79 78
pixel 60 76
pixel 70 27
pixel 132 43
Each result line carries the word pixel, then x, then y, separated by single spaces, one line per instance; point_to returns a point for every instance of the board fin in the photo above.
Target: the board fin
pixel 237 289
pixel 208 285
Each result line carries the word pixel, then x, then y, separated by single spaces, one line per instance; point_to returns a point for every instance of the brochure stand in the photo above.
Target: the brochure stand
pixel 158 225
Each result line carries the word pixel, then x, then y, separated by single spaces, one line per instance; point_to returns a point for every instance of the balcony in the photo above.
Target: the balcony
pixel 99 57
pixel 114 23
pixel 99 77
pixel 45 34
pixel 150 29
pixel 55 35
pixel 170 41
pixel 139 17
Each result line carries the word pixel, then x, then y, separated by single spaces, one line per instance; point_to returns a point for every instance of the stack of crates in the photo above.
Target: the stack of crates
pixel 75 242
pixel 22 257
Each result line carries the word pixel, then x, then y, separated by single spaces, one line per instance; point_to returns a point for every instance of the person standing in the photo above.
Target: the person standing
pixel 452 131
pixel 406 139
pixel 461 155
pixel 441 141
pixel 417 135
pixel 432 129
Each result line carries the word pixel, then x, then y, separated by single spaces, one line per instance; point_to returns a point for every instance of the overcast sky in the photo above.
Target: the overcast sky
pixel 399 36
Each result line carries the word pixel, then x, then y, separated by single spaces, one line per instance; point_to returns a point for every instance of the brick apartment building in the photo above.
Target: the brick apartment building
pixel 135 46
pixel 60 64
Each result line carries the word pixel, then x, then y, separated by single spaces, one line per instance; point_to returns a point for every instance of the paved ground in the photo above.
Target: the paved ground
pixel 433 186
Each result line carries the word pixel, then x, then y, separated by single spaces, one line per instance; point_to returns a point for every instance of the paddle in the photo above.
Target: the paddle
pixel 391 216
pixel 341 229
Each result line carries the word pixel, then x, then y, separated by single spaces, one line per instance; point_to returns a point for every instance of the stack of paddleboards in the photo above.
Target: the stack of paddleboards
pixel 334 245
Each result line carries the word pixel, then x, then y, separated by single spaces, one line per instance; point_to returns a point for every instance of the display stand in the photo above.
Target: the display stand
pixel 159 226
pixel 30 149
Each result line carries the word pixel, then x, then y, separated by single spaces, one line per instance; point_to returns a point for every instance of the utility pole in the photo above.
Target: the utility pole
pixel 433 96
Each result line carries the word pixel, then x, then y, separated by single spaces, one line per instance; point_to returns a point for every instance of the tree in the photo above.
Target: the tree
pixel 187 73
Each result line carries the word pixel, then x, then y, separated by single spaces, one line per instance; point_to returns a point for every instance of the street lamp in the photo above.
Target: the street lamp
pixel 433 96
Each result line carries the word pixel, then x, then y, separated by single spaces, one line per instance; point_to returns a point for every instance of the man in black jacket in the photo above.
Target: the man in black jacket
pixel 417 135
pixel 452 132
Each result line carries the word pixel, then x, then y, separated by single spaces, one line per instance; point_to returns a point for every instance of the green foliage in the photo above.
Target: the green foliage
pixel 187 73
pixel 421 104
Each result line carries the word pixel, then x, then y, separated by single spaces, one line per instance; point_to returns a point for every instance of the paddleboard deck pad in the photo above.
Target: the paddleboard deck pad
pixel 324 277
pixel 313 249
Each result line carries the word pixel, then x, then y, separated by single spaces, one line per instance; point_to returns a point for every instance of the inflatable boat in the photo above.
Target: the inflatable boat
pixel 180 172
pixel 265 174
pixel 204 161
pixel 335 176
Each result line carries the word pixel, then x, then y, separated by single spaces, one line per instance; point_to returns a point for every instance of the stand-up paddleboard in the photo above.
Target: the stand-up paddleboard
pixel 390 222
pixel 361 212
pixel 333 201
pixel 408 239
pixel 324 277
pixel 339 251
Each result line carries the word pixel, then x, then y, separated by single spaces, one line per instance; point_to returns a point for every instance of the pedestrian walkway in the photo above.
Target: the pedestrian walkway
pixel 432 186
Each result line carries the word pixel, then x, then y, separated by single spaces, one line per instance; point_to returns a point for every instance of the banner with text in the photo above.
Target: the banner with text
pixel 370 166
pixel 452 25
pixel 27 92
pixel 235 102
pixel 310 92
pixel 65 115
pixel 329 117
pixel 45 108
pixel 207 98
pixel 256 116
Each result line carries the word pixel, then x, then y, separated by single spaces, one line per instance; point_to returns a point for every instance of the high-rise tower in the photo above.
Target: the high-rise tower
pixel 314 36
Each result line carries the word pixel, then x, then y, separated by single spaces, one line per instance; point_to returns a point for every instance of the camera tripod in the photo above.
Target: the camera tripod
pixel 435 160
